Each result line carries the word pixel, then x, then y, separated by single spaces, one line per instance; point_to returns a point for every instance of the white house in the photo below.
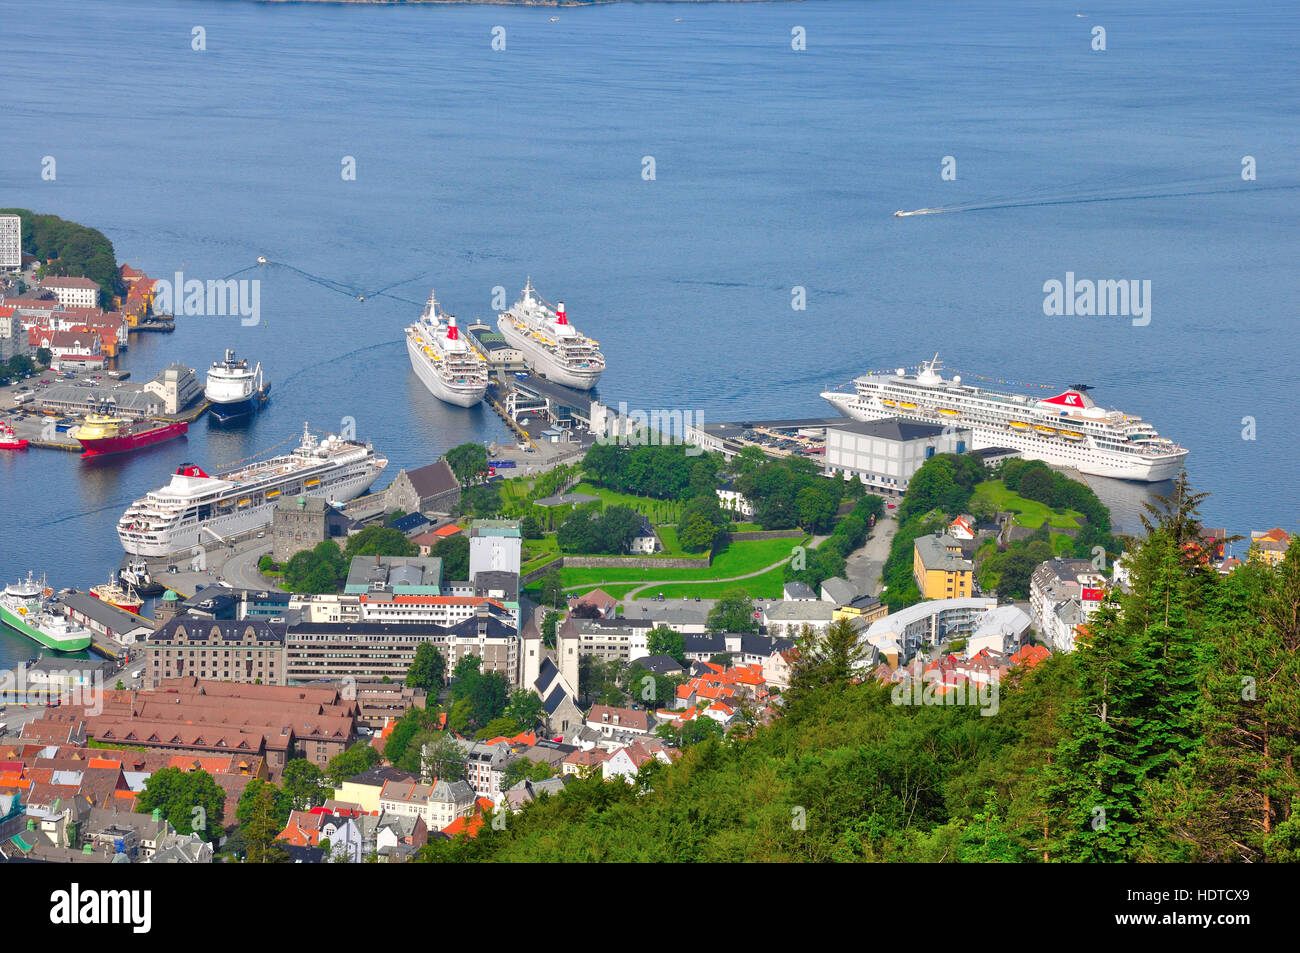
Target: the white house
pixel 962 527
pixel 73 292
pixel 646 542
pixel 627 761
pixel 732 499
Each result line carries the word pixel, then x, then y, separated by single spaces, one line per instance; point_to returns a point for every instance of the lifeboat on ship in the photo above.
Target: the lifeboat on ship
pixel 1045 430
pixel 1018 425
pixel 1072 435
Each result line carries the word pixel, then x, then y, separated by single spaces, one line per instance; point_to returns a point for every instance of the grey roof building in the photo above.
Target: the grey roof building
pixel 660 665
pixel 104 618
pixel 884 454
pixel 429 489
pixel 839 591
pixel 798 592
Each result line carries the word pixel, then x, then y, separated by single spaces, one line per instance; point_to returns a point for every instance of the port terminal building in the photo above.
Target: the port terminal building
pixel 171 391
pixel 882 454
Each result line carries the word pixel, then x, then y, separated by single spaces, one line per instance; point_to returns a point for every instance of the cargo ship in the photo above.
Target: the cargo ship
pixel 103 434
pixel 115 595
pixel 195 508
pixel 443 360
pixel 233 389
pixel 552 346
pixel 1067 429
pixel 25 606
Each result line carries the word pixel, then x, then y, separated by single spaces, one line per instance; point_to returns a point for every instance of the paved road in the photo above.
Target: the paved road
pixel 864 565
pixel 235 565
pixel 240 570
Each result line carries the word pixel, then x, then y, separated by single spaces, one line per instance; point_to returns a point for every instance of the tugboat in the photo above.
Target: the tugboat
pixel 10 440
pixel 135 576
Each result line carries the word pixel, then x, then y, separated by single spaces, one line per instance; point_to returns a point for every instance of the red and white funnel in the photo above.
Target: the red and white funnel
pixel 452 333
pixel 560 316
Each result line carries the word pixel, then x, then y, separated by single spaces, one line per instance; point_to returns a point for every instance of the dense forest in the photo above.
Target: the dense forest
pixel 67 248
pixel 1170 735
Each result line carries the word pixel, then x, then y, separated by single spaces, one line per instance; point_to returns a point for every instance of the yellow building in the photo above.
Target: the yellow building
pixel 939 569
pixel 866 608
pixel 364 789
pixel 1270 547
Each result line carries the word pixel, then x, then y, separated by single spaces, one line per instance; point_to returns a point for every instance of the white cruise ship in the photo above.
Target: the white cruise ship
pixel 1066 430
pixel 551 345
pixel 195 508
pixel 443 360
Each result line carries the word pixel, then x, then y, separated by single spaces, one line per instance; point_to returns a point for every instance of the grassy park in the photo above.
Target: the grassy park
pixel 1029 513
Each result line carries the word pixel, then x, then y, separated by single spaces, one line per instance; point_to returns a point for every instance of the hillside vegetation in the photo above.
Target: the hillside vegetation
pixel 76 250
pixel 1171 736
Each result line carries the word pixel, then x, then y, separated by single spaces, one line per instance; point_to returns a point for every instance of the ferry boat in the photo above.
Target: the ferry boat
pixel 26 606
pixel 196 508
pixel 443 360
pixel 10 440
pixel 103 434
pixel 1101 442
pixel 115 595
pixel 233 389
pixel 552 346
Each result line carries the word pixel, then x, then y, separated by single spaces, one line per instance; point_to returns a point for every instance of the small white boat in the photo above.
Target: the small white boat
pixel 261 259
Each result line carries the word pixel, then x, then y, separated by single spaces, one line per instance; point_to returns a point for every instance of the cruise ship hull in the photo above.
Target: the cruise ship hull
pixel 183 539
pixel 1056 452
pixel 459 395
pixel 545 363
pixel 15 621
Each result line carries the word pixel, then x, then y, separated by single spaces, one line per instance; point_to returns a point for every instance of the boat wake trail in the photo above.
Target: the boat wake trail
pixel 338 287
pixel 1092 197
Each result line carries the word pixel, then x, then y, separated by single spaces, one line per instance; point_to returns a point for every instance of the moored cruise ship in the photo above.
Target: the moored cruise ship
pixel 443 360
pixel 1066 430
pixel 195 508
pixel 551 345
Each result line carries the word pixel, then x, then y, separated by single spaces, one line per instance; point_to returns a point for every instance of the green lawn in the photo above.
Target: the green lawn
pixel 615 592
pixel 538 552
pixel 766 586
pixel 738 559
pixel 659 511
pixel 1029 513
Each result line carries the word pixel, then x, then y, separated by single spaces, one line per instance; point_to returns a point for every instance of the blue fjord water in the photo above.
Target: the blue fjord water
pixel 774 168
